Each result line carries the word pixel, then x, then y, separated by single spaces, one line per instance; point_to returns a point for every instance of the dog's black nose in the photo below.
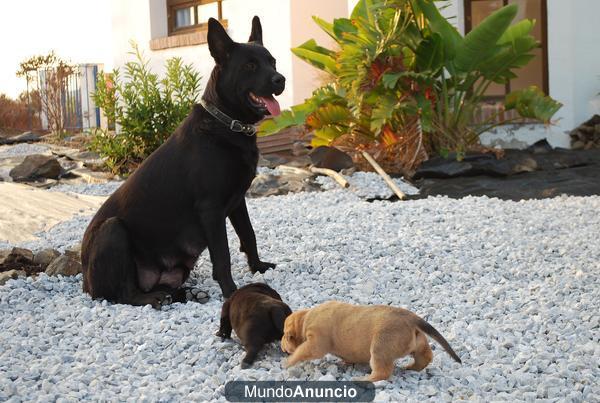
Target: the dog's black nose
pixel 278 80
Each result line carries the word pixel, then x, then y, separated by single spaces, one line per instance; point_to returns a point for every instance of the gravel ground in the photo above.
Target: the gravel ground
pixel 510 285
pixel 92 189
pixel 18 150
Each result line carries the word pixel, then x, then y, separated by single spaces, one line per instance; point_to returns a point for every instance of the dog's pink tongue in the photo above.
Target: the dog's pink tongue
pixel 272 105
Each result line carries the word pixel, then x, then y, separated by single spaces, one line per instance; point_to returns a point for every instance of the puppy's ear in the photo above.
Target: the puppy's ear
pixel 256 34
pixel 278 315
pixel 219 43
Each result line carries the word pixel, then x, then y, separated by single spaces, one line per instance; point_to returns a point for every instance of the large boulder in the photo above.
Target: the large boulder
pixel 36 167
pixel 331 158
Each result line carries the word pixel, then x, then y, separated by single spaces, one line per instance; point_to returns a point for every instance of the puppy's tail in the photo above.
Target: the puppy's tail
pixel 430 330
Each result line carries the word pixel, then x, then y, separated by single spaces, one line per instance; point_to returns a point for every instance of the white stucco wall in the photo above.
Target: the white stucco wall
pixel 143 20
pixel 303 28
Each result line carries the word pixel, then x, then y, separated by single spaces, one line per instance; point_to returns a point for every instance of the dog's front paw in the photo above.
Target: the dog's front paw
pixel 261 267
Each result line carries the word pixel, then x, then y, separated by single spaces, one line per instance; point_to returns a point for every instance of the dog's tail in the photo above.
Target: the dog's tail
pixel 430 330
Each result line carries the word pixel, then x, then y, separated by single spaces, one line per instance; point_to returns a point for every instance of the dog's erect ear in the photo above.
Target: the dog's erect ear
pixel 219 43
pixel 256 34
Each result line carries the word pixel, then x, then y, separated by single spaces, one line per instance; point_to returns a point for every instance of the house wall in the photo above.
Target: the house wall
pixel 303 28
pixel 143 20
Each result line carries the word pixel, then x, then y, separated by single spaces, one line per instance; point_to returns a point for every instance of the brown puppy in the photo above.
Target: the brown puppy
pixel 257 314
pixel 377 335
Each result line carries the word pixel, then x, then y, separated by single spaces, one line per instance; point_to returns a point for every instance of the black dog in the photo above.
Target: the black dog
pixel 257 315
pixel 144 241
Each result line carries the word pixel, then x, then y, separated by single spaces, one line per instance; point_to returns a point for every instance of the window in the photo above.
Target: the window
pixel 536 72
pixel 187 16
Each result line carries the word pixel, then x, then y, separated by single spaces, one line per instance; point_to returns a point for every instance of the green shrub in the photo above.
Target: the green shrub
pixel 144 108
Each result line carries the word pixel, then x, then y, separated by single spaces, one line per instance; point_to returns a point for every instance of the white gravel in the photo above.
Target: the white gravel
pixel 18 150
pixel 369 185
pixel 510 285
pixel 92 189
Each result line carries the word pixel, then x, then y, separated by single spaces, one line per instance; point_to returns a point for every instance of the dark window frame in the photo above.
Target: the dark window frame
pixel 173 5
pixel 544 22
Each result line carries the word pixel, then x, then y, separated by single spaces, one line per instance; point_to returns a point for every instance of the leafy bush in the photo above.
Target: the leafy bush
pixel 144 108
pixel 405 79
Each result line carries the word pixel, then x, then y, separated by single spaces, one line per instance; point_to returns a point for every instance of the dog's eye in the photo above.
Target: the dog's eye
pixel 273 63
pixel 250 66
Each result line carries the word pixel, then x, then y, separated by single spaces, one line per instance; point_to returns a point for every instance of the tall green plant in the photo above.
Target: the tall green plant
pixel 145 108
pixel 465 67
pixel 403 70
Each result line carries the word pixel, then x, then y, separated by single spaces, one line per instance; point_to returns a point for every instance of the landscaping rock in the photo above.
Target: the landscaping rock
pixel 586 136
pixel 271 160
pixel 88 159
pixel 74 252
pixel 273 185
pixel 64 265
pixel 19 256
pixel 19 259
pixel 26 137
pixel 543 172
pixel 4 254
pixel 10 274
pixel 35 167
pixel 331 158
pixel 45 257
pixel 299 148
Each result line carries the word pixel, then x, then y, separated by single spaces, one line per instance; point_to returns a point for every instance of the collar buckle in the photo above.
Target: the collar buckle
pixel 236 126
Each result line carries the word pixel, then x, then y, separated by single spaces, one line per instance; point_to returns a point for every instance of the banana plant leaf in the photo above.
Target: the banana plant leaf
pixel 440 25
pixel 316 55
pixel 481 42
pixel 532 103
pixel 430 54
pixel 325 26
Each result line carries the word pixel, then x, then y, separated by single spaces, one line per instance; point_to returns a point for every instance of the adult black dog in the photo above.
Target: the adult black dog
pixel 257 314
pixel 144 241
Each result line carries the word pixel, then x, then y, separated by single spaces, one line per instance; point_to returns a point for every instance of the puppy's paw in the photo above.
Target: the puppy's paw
pixel 196 295
pixel 223 335
pixel 261 267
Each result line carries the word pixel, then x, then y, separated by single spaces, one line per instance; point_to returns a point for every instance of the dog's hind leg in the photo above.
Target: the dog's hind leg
pixel 422 353
pixel 382 358
pixel 111 271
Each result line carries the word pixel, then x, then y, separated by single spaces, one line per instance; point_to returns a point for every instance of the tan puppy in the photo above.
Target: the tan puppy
pixel 377 335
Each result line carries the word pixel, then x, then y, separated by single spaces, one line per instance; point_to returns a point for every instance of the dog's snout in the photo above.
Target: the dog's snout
pixel 279 81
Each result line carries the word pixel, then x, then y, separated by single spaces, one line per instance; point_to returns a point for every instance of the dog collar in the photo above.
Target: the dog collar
pixel 234 125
